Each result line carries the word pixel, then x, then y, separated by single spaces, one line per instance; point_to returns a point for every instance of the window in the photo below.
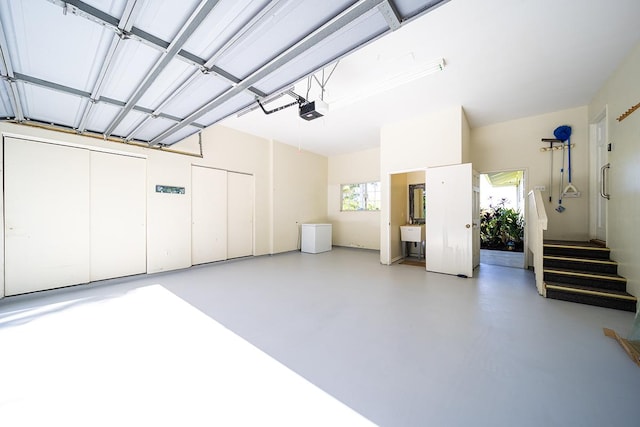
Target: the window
pixel 361 197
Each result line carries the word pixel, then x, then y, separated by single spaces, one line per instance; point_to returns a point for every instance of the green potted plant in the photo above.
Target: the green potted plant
pixel 501 228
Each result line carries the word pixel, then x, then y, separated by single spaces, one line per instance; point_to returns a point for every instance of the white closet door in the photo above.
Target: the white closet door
pixel 118 216
pixel 46 216
pixel 240 215
pixel 208 215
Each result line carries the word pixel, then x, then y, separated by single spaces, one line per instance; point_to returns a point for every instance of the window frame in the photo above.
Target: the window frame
pixel 364 198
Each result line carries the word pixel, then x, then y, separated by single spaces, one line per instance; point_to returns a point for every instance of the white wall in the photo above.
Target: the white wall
pixel 301 176
pixel 422 141
pixel 299 194
pixel 168 215
pixel 516 144
pixel 466 139
pixel 620 93
pixel 428 140
pixel 360 229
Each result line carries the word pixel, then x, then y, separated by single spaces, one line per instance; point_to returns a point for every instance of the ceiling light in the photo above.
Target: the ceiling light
pixel 407 75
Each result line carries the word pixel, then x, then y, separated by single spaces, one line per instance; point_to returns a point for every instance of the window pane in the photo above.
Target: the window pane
pixel 373 196
pixel 351 195
pixel 363 196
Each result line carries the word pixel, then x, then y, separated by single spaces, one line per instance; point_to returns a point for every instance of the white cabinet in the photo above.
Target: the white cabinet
pixel 208 215
pixel 72 215
pixel 47 221
pixel 239 215
pixel 222 215
pixel 118 215
pixel 316 238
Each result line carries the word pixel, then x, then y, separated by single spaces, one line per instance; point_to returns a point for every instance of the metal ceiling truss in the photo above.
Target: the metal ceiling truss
pixel 82 94
pixel 124 29
pixel 292 52
pixel 126 23
pixel 84 10
pixel 391 15
pixel 176 45
pixel 14 96
pixel 257 20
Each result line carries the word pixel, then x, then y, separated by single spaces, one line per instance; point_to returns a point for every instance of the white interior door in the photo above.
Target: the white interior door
pixel 46 194
pixel 118 216
pixel 239 215
pixel 601 160
pixel 449 222
pixel 208 215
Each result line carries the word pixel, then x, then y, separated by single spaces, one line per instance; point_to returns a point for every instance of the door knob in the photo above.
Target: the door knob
pixel 468 225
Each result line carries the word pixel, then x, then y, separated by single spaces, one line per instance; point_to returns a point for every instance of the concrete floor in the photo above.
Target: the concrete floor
pixel 404 347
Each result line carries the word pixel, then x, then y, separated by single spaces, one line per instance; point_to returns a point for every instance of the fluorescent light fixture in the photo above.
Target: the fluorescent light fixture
pixel 407 75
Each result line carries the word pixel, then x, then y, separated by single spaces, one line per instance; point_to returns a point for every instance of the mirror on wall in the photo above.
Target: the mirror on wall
pixel 417 209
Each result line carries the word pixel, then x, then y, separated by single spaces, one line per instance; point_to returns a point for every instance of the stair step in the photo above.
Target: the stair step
pixel 573 244
pixel 577 249
pixel 583 272
pixel 619 300
pixel 580 264
pixel 604 281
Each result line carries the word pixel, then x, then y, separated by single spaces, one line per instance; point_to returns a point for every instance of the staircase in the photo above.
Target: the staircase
pixel 583 272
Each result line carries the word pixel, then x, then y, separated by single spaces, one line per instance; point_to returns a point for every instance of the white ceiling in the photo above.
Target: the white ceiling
pixel 505 59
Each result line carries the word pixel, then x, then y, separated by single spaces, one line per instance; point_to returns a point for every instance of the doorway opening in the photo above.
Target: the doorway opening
pixel 502 218
pixel 599 172
pixel 406 207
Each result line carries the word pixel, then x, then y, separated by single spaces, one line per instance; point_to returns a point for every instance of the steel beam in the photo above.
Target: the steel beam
pixel 86 11
pixel 391 15
pixel 14 95
pixel 265 13
pixel 311 40
pixel 50 85
pixel 257 19
pixel 426 9
pixel 83 94
pixel 175 47
pixel 126 23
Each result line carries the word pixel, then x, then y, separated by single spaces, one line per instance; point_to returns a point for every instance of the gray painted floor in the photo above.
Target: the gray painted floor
pixel 404 347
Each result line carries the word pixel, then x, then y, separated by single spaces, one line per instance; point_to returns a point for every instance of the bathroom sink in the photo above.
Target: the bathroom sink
pixel 412 233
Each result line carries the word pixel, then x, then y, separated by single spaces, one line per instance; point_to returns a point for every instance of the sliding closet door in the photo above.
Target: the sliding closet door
pixel 118 216
pixel 46 216
pixel 240 215
pixel 208 215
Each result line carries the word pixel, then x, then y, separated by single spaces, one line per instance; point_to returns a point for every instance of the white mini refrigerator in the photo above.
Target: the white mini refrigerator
pixel 316 238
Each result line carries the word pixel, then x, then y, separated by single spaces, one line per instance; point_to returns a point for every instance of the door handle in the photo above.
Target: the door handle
pixel 603 187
